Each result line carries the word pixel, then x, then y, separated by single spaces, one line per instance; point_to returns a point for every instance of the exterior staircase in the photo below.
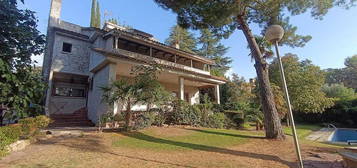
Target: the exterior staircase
pixel 77 119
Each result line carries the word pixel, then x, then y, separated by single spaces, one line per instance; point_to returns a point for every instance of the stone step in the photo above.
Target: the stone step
pixel 72 125
pixel 67 117
pixel 78 118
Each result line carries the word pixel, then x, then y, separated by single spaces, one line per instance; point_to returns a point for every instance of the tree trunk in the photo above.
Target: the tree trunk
pixel 273 129
pixel 257 125
pixel 128 117
pixel 287 120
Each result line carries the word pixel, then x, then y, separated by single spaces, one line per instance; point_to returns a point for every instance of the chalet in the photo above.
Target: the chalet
pixel 79 60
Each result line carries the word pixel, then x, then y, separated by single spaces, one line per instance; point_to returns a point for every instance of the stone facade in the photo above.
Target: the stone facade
pixel 75 62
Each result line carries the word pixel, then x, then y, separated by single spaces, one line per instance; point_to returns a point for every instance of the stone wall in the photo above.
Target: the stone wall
pixel 76 62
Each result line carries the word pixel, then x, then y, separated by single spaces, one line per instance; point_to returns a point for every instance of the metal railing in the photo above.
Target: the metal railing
pixel 331 126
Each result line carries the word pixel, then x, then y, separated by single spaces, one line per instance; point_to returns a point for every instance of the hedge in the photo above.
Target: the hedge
pixel 27 128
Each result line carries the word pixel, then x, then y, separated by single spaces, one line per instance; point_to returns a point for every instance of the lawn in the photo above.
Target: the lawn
pixel 184 138
pixel 163 147
pixel 303 130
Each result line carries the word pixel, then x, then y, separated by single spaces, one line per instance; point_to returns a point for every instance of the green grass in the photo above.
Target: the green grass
pixel 193 139
pixel 203 138
pixel 303 130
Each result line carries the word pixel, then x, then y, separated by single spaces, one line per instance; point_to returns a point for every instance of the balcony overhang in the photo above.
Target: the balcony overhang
pixel 152 43
pixel 134 58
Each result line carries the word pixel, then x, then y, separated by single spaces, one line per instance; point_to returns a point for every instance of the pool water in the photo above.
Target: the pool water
pixel 344 135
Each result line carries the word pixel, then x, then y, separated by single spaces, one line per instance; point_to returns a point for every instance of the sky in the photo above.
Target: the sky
pixel 333 39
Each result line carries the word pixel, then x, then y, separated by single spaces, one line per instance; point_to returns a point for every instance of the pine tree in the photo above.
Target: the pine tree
pixel 93 14
pixel 183 38
pixel 98 18
pixel 212 48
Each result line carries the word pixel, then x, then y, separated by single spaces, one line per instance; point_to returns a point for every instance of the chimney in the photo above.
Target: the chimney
pixel 55 12
pixel 176 45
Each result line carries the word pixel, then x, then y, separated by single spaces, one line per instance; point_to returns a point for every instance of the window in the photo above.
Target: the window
pixel 69 92
pixel 67 47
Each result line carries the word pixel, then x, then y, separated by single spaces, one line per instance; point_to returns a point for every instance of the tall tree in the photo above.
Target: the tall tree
pixel 20 87
pixel 339 91
pixel 223 17
pixel 213 49
pixel 347 75
pixel 351 62
pixel 93 16
pixel 305 82
pixel 98 16
pixel 183 38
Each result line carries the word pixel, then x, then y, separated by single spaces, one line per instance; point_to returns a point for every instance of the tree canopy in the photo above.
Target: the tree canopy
pixel 304 81
pixel 339 91
pixel 21 88
pixel 347 75
pixel 210 47
pixel 183 38
pixel 95 18
pixel 224 17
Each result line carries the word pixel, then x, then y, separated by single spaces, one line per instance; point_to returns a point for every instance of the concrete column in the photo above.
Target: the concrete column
pixel 216 94
pixel 117 43
pixel 182 88
pixel 48 94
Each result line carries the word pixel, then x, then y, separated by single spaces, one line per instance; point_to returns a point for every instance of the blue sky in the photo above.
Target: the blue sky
pixel 333 39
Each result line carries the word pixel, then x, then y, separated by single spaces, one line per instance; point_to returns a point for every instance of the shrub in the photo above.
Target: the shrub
pixel 119 117
pixel 8 135
pixel 42 121
pixel 204 111
pixel 342 114
pixel 218 108
pixel 28 127
pixel 144 120
pixel 186 114
pixel 217 120
pixel 236 117
pixel 160 117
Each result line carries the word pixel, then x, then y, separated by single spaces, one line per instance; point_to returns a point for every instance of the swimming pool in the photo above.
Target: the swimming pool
pixel 342 135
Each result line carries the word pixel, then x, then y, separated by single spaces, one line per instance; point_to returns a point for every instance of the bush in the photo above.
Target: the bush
pixel 106 117
pixel 236 117
pixel 8 135
pixel 217 120
pixel 42 121
pixel 186 114
pixel 28 127
pixel 119 117
pixel 144 120
pixel 342 114
pixel 204 111
pixel 160 117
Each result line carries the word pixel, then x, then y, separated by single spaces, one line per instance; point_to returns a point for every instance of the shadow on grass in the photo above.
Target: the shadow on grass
pixel 148 138
pixel 226 134
pixel 95 144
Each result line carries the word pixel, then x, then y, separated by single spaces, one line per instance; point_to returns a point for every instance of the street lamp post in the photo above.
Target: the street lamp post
pixel 274 34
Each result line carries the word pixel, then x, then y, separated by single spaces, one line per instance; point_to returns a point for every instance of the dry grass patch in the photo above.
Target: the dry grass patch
pixel 160 147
